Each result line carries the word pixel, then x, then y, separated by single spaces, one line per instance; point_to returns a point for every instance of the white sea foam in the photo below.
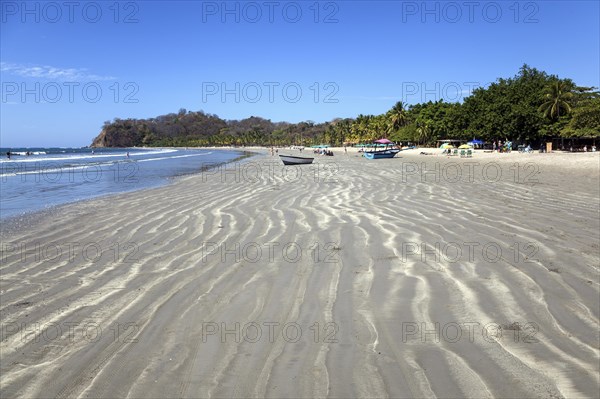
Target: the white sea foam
pixel 78 156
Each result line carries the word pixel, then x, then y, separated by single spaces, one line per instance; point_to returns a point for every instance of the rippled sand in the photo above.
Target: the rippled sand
pixel 419 276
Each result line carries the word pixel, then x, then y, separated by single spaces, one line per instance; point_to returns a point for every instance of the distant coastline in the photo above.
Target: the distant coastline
pixel 528 109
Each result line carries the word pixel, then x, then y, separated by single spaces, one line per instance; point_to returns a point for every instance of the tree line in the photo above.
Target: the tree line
pixel 528 108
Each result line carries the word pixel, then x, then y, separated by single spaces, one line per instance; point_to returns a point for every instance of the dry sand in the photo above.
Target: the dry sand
pixel 345 278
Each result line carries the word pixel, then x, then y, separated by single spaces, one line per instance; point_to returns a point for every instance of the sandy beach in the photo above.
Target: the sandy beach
pixel 418 276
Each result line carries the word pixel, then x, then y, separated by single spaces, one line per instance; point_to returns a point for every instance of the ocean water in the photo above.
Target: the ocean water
pixel 54 176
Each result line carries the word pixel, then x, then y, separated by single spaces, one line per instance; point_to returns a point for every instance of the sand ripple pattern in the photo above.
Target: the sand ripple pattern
pixel 346 278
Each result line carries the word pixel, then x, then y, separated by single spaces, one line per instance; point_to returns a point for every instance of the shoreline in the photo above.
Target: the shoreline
pixel 27 217
pixel 356 272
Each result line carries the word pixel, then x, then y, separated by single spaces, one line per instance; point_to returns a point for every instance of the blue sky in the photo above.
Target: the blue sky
pixel 68 68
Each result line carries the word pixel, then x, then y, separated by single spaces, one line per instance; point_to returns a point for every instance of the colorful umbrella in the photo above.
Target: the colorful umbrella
pixel 383 141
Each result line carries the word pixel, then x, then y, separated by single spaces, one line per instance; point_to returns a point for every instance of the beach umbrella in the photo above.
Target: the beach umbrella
pixel 446 146
pixel 383 141
pixel 465 146
pixel 475 142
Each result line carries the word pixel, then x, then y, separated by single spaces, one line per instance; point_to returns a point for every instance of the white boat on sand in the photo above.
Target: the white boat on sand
pixel 292 160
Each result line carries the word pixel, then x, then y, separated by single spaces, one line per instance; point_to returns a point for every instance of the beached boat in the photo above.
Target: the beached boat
pixel 387 152
pixel 390 153
pixel 291 160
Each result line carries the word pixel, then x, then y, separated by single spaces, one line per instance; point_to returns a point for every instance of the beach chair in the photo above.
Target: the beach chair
pixel 455 152
pixel 469 153
pixel 462 153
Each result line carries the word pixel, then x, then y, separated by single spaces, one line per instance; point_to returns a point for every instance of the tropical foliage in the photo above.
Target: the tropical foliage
pixel 585 120
pixel 527 108
pixel 558 98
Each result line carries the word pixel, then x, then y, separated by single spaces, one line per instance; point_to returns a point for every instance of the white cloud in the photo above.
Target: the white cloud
pixel 51 73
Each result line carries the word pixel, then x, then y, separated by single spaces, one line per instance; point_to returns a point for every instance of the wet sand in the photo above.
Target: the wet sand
pixel 418 276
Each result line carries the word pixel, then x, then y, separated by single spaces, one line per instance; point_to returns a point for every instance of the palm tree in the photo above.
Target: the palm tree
pixel 361 126
pixel 397 117
pixel 557 98
pixel 424 131
pixel 344 129
pixel 379 125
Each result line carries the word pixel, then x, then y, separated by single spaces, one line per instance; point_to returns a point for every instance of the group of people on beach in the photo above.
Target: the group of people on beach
pixel 584 148
pixel 323 151
pixel 500 147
